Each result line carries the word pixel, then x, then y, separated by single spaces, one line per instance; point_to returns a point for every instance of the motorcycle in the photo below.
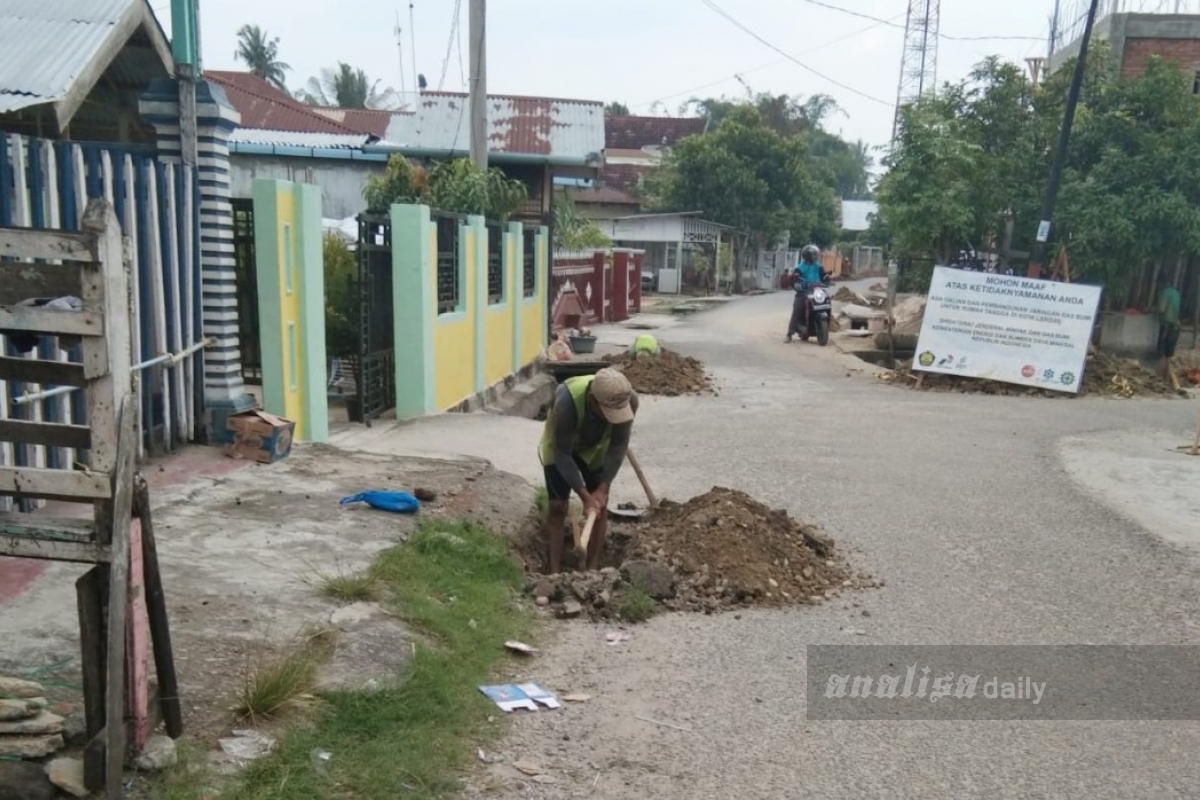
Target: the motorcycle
pixel 818 306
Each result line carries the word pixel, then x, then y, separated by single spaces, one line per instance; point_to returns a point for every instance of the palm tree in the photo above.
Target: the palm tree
pixel 347 87
pixel 260 53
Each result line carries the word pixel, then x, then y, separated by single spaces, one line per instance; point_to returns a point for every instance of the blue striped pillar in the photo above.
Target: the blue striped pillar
pixel 216 119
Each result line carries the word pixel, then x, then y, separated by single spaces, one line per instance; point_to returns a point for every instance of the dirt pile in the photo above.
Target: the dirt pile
pixel 718 551
pixel 1103 376
pixel 670 374
pixel 845 294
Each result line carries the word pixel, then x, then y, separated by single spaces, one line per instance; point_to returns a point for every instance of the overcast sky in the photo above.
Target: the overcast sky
pixel 635 51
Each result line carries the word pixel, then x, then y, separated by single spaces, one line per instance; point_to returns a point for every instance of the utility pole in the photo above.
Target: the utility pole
pixel 1060 157
pixel 478 37
pixel 185 47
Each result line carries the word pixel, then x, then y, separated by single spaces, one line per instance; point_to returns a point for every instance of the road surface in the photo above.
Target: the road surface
pixel 991 520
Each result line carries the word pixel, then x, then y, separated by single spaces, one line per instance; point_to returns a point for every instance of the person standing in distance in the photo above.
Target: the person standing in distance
pixel 583 446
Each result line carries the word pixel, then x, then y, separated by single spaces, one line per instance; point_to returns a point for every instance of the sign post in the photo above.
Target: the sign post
pixel 1004 328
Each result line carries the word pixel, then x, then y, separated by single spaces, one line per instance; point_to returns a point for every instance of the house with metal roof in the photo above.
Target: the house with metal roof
pixel 76 68
pixel 532 139
pixel 633 147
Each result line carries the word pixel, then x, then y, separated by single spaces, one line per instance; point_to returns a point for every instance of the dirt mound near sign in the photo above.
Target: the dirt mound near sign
pixel 670 374
pixel 1103 376
pixel 718 551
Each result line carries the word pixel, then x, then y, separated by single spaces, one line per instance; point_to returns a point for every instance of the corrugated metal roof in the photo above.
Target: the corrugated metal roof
pixel 45 45
pixel 263 106
pixel 340 141
pixel 366 120
pixel 559 131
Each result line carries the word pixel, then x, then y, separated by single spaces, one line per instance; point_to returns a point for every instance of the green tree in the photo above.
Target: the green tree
pixel 616 110
pixel 457 186
pixel 258 51
pixel 747 175
pixel 341 304
pixel 347 87
pixel 572 231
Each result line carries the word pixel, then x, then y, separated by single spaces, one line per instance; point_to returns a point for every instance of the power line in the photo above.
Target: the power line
pixel 821 46
pixel 946 36
pixel 714 7
pixel 450 43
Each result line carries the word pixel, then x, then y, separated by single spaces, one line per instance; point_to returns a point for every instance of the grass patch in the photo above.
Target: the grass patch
pixel 350 588
pixel 541 500
pixel 634 605
pixel 456 584
pixel 189 779
pixel 273 687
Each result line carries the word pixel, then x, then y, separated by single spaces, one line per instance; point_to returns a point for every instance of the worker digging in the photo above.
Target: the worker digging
pixel 583 444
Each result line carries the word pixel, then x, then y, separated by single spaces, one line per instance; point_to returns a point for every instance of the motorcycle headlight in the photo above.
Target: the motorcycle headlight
pixel 819 295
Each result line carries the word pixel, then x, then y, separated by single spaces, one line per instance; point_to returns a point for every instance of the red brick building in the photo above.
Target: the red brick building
pixel 1136 38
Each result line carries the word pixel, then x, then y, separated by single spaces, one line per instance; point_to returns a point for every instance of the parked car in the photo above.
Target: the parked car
pixel 647 282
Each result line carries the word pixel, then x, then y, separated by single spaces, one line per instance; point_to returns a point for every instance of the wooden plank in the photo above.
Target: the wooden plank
pixel 90 600
pixel 28 243
pixel 50 434
pixel 75 529
pixel 55 373
pixel 135 314
pixel 111 293
pixel 35 482
pixel 122 513
pixel 156 607
pixel 49 550
pixel 136 641
pixel 23 280
pixel 34 319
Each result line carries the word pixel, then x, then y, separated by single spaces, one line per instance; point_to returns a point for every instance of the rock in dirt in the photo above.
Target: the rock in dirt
pixel 570 609
pixel 15 687
pixel 158 754
pixel 670 374
pixel 21 781
pixel 30 746
pixel 67 775
pixel 43 724
pixel 425 495
pixel 544 589
pixel 656 580
pixel 11 710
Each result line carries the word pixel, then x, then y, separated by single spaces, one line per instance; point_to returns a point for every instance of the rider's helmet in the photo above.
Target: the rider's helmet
pixel 811 252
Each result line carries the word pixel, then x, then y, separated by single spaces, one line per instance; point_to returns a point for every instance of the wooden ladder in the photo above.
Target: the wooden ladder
pixel 89 265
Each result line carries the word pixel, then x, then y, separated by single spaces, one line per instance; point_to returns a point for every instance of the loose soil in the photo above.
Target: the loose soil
pixel 723 549
pixel 847 295
pixel 1103 376
pixel 670 374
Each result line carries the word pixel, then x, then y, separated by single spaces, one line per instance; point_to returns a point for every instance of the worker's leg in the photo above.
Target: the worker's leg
pixel 599 538
pixel 559 493
pixel 797 313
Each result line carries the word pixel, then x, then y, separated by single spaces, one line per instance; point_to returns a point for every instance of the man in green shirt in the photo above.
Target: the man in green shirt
pixel 583 444
pixel 645 346
pixel 1168 328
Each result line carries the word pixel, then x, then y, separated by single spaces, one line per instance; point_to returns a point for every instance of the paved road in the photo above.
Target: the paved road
pixel 963 504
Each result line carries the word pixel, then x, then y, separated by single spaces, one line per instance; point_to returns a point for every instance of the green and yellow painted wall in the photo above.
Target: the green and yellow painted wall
pixel 445 358
pixel 291 291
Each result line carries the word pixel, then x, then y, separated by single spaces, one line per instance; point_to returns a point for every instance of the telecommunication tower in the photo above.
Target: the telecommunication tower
pixel 918 61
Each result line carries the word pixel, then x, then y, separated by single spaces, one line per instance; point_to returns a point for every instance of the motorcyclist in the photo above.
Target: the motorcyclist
pixel 808 273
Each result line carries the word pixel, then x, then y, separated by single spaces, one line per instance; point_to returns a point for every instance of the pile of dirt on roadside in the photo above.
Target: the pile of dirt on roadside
pixel 670 374
pixel 718 551
pixel 844 294
pixel 728 549
pixel 1103 376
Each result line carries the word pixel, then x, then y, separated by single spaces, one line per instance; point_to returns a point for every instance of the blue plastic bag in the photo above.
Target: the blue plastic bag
pixel 396 502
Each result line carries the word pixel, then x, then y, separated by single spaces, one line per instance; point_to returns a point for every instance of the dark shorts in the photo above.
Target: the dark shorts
pixel 1168 338
pixel 558 488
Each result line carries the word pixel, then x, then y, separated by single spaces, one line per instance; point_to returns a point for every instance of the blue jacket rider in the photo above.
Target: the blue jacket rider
pixel 808 272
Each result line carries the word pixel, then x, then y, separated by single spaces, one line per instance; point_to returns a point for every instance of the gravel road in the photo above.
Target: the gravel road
pixel 962 504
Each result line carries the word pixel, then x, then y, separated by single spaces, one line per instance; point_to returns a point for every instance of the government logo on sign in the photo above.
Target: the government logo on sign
pixel 1028 370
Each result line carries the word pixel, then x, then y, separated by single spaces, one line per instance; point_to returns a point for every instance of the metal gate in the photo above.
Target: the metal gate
pixel 376 367
pixel 247 291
